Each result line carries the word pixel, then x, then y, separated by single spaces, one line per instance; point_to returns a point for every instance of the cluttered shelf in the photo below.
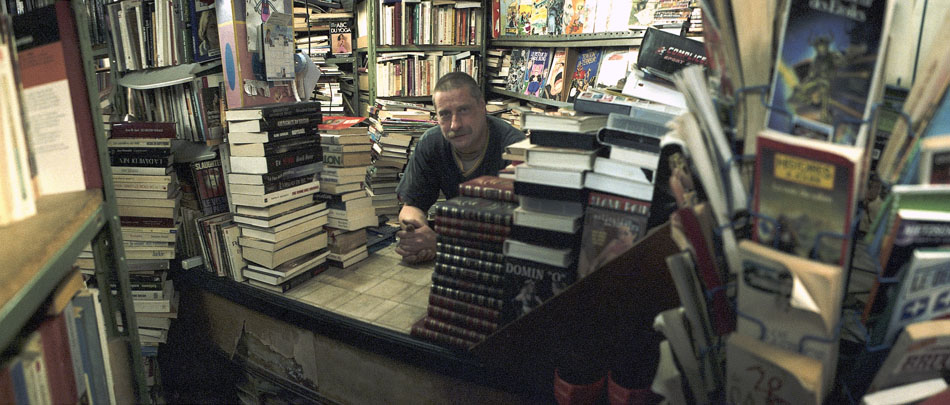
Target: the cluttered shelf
pixel 628 38
pixel 38 252
pixel 533 99
pixel 419 48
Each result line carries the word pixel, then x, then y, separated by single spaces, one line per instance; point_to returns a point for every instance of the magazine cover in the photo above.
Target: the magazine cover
pixel 554 84
pixel 537 70
pixel 517 70
pixel 341 38
pixel 205 31
pixel 827 67
pixel 584 72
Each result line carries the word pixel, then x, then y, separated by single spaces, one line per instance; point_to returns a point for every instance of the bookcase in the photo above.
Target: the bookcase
pixel 39 252
pixel 420 42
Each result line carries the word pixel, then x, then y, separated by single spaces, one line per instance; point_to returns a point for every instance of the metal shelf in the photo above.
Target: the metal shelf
pixel 628 38
pixel 417 48
pixel 533 99
pixel 39 251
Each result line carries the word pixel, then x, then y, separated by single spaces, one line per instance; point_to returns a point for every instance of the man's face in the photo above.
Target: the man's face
pixel 461 118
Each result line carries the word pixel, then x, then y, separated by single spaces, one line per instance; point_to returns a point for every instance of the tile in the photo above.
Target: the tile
pixel 359 306
pixel 389 251
pixel 380 310
pixel 419 298
pixel 322 296
pixel 388 288
pixel 405 294
pixel 305 288
pixel 412 275
pixel 376 265
pixel 355 281
pixel 401 317
pixel 341 299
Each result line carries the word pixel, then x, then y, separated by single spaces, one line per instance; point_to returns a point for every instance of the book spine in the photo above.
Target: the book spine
pixel 420 331
pixel 148 222
pixel 272 186
pixel 292 144
pixel 287 133
pixel 154 130
pixel 285 110
pixel 471 263
pixel 311 120
pixel 449 329
pixel 470 252
pixel 461 233
pixel 298 171
pixel 492 303
pixel 473 214
pixel 466 285
pixel 493 247
pixel 473 226
pixel 491 193
pixel 139 160
pixel 468 274
pixel 466 321
pixel 294 159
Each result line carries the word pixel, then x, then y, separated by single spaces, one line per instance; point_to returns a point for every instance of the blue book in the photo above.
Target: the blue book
pixel 584 72
pixel 538 62
pixel 90 346
pixel 829 67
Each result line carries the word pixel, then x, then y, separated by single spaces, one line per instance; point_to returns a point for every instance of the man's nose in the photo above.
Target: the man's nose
pixel 456 122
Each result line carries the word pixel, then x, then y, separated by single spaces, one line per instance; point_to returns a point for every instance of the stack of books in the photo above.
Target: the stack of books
pixel 275 160
pixel 469 289
pixel 498 64
pixel 350 206
pixel 147 194
pixel 394 129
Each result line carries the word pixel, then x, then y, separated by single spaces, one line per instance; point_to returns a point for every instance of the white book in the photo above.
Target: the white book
pixel 265 222
pixel 644 159
pixel 551 222
pixel 246 241
pixel 906 394
pixel 277 236
pixel 272 259
pixel 275 209
pixel 561 158
pixel 626 187
pixel 548 176
pixel 277 196
pixel 541 254
pixel 622 169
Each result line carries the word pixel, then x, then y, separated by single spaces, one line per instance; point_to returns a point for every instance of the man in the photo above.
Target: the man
pixel 466 144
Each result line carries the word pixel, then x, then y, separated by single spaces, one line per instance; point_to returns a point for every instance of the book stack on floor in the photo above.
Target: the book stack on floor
pixel 275 161
pixel 498 63
pixel 351 207
pixel 394 129
pixel 469 290
pixel 148 199
pixel 203 193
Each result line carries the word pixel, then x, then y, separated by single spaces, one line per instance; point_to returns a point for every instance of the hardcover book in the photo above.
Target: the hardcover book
pixel 471 244
pixel 805 193
pixel 612 224
pixel 564 139
pixel 489 187
pixel 462 307
pixel 476 209
pixel 457 318
pixel 828 72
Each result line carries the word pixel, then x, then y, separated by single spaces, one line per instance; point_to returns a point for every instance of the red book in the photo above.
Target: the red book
pixel 465 308
pixel 59 367
pixel 466 321
pixel 489 187
pixel 453 330
pixel 495 18
pixel 56 100
pixel 420 331
pixel 142 129
pixel 473 226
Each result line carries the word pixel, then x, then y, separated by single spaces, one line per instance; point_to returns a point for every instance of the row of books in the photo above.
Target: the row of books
pixel 430 23
pixel 67 358
pixel 157 34
pixel 414 74
pixel 567 17
pixel 193 107
pixel 563 73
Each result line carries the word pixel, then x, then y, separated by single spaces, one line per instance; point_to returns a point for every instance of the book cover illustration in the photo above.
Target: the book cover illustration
pixel 554 84
pixel 826 68
pixel 341 38
pixel 575 16
pixel 278 47
pixel 512 10
pixel 525 9
pixel 537 68
pixel 807 196
pixel 584 73
pixel 516 74
pixel 555 19
pixel 539 17
pixel 922 291
pixel 204 30
pixel 641 14
pixel 607 235
pixel 615 64
pixel 531 283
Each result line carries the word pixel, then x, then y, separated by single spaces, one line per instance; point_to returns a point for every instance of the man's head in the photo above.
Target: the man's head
pixel 460 110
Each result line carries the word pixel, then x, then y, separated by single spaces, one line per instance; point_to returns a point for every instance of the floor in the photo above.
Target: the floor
pixel 381 290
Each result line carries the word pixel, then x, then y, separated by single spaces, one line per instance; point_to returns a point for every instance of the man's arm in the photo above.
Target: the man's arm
pixel 416 238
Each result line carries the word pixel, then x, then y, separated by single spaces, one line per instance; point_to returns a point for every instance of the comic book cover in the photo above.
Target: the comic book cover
pixel 537 65
pixel 828 69
pixel 584 72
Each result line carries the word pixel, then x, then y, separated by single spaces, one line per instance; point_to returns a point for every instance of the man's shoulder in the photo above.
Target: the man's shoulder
pixel 506 133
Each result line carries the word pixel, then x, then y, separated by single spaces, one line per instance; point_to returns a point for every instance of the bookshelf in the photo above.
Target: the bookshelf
pixel 377 33
pixel 39 252
pixel 318 20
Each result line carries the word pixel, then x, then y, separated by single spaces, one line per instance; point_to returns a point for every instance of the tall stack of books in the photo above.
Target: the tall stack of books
pixel 394 129
pixel 469 288
pixel 341 181
pixel 621 188
pixel 498 63
pixel 275 159
pixel 544 243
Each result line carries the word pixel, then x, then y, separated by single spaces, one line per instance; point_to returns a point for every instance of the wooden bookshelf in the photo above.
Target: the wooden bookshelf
pixel 629 38
pixel 533 99
pixel 39 251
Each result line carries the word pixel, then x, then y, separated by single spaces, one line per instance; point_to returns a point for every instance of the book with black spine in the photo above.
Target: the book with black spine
pixel 472 225
pixel 472 274
pixel 465 296
pixel 275 148
pixel 271 124
pixel 484 255
pixel 469 262
pixel 240 137
pixel 267 164
pixel 271 111
pixel 564 139
pixel 466 285
pixel 494 247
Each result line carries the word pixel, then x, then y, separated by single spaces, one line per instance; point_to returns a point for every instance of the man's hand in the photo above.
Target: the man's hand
pixel 416 238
